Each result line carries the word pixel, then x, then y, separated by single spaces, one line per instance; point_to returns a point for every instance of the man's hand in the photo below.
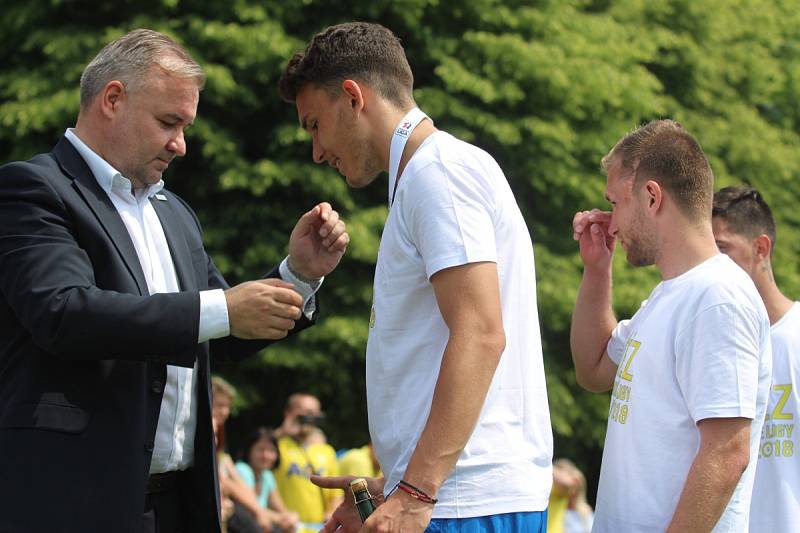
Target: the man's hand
pixel 590 229
pixel 593 320
pixel 318 242
pixel 262 309
pixel 345 519
pixel 402 513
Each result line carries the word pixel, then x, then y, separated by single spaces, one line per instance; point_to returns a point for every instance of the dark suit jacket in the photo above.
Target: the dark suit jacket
pixel 84 349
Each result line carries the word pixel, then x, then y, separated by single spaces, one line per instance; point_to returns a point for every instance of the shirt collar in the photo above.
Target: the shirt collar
pixel 107 176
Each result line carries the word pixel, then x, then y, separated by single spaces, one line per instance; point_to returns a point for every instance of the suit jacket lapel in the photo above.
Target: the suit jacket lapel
pixel 181 257
pixel 98 201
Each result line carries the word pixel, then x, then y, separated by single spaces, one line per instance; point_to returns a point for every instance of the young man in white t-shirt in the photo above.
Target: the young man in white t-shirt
pixel 745 230
pixel 689 372
pixel 456 392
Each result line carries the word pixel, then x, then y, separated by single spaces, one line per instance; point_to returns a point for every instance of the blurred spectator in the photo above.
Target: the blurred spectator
pixel 317 436
pixel 222 396
pixel 568 512
pixel 301 456
pixel 247 516
pixel 360 462
pixel 260 457
pixel 226 504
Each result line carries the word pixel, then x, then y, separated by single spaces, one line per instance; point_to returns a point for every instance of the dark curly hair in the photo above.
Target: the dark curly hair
pixel 364 52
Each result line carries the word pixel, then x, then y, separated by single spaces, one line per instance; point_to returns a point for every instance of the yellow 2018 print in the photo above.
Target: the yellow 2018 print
pixel 621 395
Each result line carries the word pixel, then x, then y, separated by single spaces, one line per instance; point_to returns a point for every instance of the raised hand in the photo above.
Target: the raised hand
pixel 262 309
pixel 591 230
pixel 318 242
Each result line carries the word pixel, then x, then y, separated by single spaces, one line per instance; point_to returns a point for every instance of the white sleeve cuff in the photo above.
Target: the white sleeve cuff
pixel 304 288
pixel 213 315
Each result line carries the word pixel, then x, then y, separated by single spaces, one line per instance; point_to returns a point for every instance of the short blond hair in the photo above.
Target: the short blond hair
pixel 663 151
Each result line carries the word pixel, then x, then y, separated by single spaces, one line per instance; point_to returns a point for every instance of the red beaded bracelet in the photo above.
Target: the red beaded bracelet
pixel 415 492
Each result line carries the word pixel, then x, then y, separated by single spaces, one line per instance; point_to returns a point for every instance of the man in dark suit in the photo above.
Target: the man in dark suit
pixel 110 310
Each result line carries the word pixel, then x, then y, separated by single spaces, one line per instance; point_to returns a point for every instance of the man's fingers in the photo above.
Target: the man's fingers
pixel 598 239
pixel 329 223
pixel 276 282
pixel 340 244
pixel 595 215
pixel 274 334
pixel 279 323
pixel 331 525
pixel 332 482
pixel 283 292
pixel 307 221
pixel 579 224
pixel 584 219
pixel 337 238
pixel 323 210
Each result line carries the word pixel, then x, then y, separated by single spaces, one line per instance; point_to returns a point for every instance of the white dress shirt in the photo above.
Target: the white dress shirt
pixel 177 421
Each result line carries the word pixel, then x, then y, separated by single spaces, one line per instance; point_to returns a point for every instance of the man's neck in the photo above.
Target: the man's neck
pixel 86 133
pixel 393 116
pixel 774 300
pixel 424 130
pixel 684 246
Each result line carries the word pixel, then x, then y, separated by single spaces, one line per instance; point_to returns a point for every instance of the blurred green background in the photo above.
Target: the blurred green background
pixel 547 87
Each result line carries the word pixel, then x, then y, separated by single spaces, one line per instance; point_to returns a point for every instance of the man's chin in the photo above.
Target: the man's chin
pixel 359 182
pixel 154 178
pixel 356 183
pixel 639 261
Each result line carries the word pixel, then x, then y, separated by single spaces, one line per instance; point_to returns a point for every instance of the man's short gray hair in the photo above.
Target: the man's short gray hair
pixel 129 59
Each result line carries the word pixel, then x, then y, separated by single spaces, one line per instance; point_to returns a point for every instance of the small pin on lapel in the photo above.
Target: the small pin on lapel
pixel 161 197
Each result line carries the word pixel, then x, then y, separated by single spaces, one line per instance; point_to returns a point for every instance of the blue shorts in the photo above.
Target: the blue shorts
pixel 532 522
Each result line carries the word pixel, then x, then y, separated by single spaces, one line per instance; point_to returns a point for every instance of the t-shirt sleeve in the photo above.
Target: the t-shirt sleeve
pixel 619 338
pixel 247 473
pixel 449 217
pixel 717 362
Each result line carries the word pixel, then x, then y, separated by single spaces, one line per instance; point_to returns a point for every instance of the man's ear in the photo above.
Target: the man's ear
pixel 654 194
pixel 111 97
pixel 355 94
pixel 762 246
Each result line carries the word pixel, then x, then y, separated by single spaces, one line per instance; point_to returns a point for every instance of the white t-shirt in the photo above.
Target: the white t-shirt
pixel 453 206
pixel 776 492
pixel 699 347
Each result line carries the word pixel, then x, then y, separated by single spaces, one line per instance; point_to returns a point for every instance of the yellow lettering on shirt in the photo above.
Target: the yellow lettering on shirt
pixel 777 413
pixel 630 352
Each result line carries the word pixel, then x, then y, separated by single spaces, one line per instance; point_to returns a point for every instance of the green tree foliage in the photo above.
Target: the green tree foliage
pixel 547 87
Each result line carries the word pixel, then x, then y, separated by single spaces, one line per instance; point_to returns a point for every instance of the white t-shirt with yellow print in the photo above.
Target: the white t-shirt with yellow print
pixel 699 347
pixel 776 492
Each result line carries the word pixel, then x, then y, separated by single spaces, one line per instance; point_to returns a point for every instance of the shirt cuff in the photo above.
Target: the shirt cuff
pixel 213 316
pixel 306 289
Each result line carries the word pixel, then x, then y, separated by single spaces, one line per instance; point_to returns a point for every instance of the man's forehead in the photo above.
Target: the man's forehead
pixel 307 403
pixel 720 227
pixel 171 97
pixel 307 102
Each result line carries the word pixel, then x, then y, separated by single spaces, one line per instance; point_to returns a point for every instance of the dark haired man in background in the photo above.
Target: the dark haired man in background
pixel 744 229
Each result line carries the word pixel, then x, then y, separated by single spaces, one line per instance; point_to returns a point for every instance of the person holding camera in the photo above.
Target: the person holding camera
pixel 304 454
